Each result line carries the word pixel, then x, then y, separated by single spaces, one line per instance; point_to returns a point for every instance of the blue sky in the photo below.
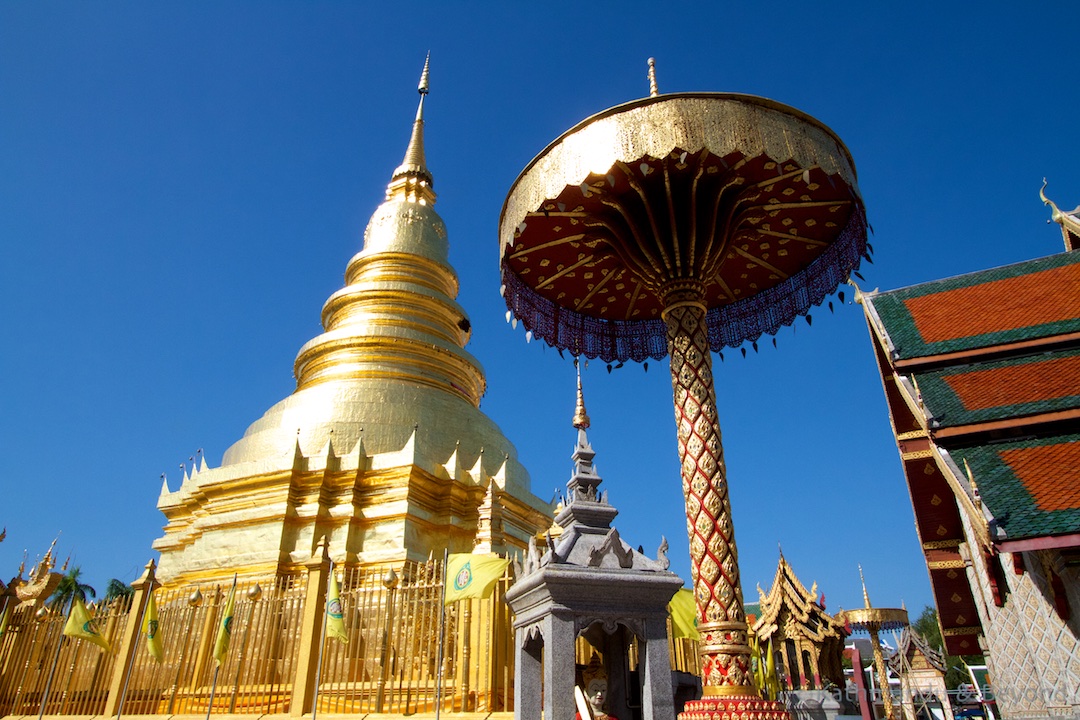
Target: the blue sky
pixel 181 186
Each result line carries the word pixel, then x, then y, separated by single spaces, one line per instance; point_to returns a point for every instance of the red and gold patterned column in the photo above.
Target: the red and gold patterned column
pixel 724 649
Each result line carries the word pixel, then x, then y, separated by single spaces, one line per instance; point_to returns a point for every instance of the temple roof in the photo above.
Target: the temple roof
pixel 789 598
pixel 1008 388
pixel 1031 487
pixel 989 364
pixel 1026 301
pixel 912 645
pixel 982 376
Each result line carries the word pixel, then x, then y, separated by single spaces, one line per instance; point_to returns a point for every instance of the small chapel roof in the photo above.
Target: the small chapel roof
pixel 789 597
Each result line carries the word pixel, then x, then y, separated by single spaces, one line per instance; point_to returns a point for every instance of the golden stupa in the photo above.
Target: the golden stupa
pixel 382 449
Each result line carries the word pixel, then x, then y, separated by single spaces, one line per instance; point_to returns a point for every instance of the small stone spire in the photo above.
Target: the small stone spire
pixel 654 90
pixel 583 482
pixel 581 419
pixel 586 506
pixel 412 180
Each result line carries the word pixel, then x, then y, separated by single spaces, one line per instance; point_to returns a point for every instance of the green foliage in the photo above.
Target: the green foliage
pixel 68 590
pixel 928 626
pixel 119 590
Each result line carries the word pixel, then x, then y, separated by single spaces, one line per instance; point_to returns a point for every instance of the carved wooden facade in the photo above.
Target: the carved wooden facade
pixel 807 642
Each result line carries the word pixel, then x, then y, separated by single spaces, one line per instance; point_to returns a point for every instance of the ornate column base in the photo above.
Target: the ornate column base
pixel 734 707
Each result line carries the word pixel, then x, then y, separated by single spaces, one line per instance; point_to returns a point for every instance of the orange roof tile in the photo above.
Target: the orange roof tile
pixel 1016 384
pixel 1038 298
pixel 1051 473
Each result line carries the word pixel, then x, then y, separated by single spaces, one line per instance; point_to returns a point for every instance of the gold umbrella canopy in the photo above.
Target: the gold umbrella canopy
pixel 746 204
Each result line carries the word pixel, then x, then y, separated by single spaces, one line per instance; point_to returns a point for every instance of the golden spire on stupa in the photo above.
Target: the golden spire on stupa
pixel 412 180
pixel 396 318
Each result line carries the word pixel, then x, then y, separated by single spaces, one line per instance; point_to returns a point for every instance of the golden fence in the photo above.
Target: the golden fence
pixel 277 654
pixel 29 650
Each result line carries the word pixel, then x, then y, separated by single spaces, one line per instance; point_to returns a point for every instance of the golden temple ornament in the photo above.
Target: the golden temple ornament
pixel 678 225
pixel 874 621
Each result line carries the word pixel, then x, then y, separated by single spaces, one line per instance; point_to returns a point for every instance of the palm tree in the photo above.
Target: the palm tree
pixel 118 590
pixel 68 590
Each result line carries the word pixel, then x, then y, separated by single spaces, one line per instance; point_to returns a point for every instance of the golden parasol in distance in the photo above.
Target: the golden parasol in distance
pixel 873 621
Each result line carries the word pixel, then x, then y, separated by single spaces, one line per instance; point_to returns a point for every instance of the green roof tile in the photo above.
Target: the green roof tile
pixel 1013 501
pixel 947 409
pixel 908 343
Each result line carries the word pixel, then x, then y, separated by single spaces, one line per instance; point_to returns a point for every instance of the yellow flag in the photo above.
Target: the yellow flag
pixel 221 647
pixel 335 623
pixel 683 610
pixel 759 664
pixel 772 682
pixel 472 576
pixel 150 629
pixel 80 625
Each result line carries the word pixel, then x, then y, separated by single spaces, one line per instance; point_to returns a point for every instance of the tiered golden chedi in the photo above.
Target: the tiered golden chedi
pixel 382 449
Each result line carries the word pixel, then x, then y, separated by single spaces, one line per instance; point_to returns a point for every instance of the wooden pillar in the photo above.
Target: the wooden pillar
pixel 815 664
pixel 307 661
pixel 125 653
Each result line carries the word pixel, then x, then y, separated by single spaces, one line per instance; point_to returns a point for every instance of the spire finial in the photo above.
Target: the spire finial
pixel 653 89
pixel 865 596
pixel 422 88
pixel 411 180
pixel 581 420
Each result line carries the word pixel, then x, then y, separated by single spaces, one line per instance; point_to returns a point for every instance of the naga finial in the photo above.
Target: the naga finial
pixel 1069 221
pixel 654 90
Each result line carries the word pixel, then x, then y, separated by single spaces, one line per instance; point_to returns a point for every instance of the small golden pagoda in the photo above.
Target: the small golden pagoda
pixel 382 449
pixel 808 642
